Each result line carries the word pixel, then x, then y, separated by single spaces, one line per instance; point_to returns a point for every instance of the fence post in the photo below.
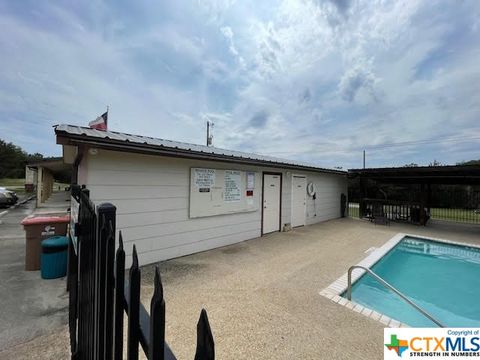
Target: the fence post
pixel 106 222
pixel 157 320
pixel 133 308
pixel 86 277
pixel 205 345
pixel 109 288
pixel 99 289
pixel 72 295
pixel 72 284
pixel 119 299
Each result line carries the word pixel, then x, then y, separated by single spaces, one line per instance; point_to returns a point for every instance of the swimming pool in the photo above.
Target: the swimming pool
pixel 443 279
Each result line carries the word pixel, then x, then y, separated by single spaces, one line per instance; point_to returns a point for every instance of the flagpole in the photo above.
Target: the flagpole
pixel 106 118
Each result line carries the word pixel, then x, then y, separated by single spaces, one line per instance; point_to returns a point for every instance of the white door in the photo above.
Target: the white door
pixel 299 200
pixel 271 203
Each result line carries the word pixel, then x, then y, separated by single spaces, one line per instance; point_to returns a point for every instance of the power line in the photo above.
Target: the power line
pixel 422 142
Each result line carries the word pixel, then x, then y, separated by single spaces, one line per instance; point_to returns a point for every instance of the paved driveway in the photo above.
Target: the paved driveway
pixel 29 306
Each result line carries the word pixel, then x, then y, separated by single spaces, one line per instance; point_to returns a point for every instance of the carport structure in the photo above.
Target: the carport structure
pixel 45 172
pixel 428 186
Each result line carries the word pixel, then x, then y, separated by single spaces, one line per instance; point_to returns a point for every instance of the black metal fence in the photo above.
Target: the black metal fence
pixel 456 203
pixel 410 212
pixel 389 209
pixel 99 293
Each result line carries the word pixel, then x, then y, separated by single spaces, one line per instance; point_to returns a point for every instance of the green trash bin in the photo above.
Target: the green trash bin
pixel 54 257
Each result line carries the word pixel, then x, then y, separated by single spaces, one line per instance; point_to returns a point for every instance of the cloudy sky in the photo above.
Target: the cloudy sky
pixel 314 80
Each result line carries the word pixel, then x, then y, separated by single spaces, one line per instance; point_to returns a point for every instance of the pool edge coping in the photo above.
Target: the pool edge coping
pixel 339 286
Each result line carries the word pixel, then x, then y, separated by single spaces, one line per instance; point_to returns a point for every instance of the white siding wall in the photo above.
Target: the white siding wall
pixel 286 197
pixel 326 206
pixel 151 194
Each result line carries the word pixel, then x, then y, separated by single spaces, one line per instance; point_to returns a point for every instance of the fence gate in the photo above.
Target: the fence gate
pixel 99 293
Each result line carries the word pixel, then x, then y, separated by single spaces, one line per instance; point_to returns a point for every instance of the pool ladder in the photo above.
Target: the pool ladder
pixel 388 286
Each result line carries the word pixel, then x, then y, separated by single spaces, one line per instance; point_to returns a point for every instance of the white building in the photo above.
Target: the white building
pixel 175 199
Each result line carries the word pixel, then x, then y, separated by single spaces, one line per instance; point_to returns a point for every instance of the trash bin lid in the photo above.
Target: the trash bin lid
pixel 32 220
pixel 55 242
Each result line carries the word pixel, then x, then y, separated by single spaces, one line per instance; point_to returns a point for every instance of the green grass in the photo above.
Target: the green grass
pixel 353 210
pixel 6 182
pixel 460 215
pixel 18 185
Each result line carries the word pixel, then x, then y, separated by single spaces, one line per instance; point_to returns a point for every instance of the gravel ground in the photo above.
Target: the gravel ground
pixel 262 295
pixel 54 345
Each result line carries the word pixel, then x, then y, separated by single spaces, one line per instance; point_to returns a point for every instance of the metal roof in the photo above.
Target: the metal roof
pixel 110 139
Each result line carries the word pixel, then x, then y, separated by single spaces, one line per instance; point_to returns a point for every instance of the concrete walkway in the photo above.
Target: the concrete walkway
pixel 29 306
pixel 57 202
pixel 262 295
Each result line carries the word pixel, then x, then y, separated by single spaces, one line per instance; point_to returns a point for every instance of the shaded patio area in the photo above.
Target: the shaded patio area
pixel 262 295
pixel 416 194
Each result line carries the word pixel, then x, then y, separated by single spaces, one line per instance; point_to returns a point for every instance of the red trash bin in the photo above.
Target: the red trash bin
pixel 38 228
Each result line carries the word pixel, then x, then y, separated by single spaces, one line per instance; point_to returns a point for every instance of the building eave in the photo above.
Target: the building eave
pixel 65 138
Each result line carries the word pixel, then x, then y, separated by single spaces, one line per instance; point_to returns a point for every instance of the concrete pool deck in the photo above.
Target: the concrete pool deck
pixel 263 299
pixel 262 295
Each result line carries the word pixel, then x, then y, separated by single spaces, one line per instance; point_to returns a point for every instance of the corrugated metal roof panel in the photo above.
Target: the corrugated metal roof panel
pixel 194 148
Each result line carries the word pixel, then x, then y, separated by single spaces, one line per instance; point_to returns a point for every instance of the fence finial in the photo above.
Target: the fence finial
pixel 134 257
pixel 133 308
pixel 205 344
pixel 158 287
pixel 120 240
pixel 119 299
pixel 157 320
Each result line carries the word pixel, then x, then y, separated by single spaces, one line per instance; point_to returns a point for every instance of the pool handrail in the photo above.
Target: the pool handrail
pixel 388 286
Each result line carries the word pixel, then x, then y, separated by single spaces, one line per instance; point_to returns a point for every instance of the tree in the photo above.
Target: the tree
pixel 35 157
pixel 13 160
pixel 470 162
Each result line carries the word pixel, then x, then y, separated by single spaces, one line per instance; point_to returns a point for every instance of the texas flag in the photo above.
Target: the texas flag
pixel 100 123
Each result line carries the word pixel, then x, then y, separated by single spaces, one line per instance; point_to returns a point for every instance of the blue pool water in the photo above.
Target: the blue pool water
pixel 443 279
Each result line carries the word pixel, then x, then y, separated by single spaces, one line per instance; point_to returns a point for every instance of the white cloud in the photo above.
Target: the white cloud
pixel 228 33
pixel 354 80
pixel 216 10
pixel 371 58
pixel 315 80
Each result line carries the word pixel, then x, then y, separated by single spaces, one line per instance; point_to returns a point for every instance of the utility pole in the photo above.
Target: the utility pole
pixel 209 137
pixel 364 159
pixel 208 132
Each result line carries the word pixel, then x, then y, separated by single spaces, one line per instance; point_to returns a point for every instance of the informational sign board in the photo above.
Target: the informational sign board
pixel 233 186
pixel 250 180
pixel 204 178
pixel 221 191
